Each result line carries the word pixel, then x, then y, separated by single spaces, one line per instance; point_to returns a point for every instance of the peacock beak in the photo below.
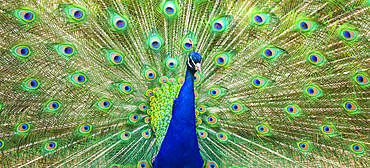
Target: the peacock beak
pixel 198 67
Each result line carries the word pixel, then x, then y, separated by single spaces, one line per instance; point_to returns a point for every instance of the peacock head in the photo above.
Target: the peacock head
pixel 195 61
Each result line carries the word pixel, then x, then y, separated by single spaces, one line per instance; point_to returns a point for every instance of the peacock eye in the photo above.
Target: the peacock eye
pixel 50 146
pixel 313 91
pixel 262 129
pixel 26 15
pixel 221 60
pixel 305 25
pixel 303 146
pixel 31 84
pixel 53 106
pixel 258 82
pixel 260 18
pixel 169 9
pixel 348 34
pixel 163 79
pixel 125 88
pixel 119 22
pixel 293 110
pixel 187 44
pixel 125 135
pixel 362 79
pixel 150 74
pixel 211 119
pixel 65 50
pixel 146 134
pixel 85 128
pixel 104 104
pixel 22 51
pixel 316 59
pixel 214 92
pixel 219 25
pixel 327 129
pixel 212 164
pixel 143 107
pixel 134 117
pixel 23 128
pixel 357 148
pixel 76 14
pixel 143 164
pixel 222 137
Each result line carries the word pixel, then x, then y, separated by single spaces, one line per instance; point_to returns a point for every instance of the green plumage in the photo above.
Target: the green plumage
pixel 91 83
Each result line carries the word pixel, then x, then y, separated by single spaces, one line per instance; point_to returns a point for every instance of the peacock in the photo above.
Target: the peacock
pixel 184 83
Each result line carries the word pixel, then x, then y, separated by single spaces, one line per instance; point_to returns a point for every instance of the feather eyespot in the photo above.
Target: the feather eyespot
pixel 348 34
pixel 115 58
pixel 202 108
pixel 260 19
pixel 211 164
pixel 303 146
pixel 221 60
pixel 143 164
pixel 155 43
pixel 202 134
pixel 22 51
pixel 211 119
pixel 196 77
pixel 115 166
pixel 104 104
pixel 357 148
pixel 146 134
pixel 262 129
pixel 236 107
pixel 327 129
pixel 313 91
pixel 258 82
pixel 53 106
pixel 125 88
pixel 31 84
pixel 23 127
pixel 2 144
pixel 270 53
pixel 147 120
pixel 316 59
pixel 198 121
pixel 187 44
pixel 218 25
pixel 50 146
pixel 214 92
pixel 26 15
pixel 119 22
pixel 169 9
pixel 65 50
pixel 181 80
pixel 361 79
pixel 163 79
pixel 125 135
pixel 79 78
pixel 150 74
pixel 171 63
pixel 85 128
pixel 134 118
pixel 76 14
pixel 143 107
pixel 149 93
pixel 222 137
pixel 350 106
pixel 305 25
pixel 292 110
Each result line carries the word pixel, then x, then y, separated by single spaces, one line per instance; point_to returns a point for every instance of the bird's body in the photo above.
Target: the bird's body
pixel 97 83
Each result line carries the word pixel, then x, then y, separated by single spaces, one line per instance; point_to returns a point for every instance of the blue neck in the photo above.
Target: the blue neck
pixel 180 145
